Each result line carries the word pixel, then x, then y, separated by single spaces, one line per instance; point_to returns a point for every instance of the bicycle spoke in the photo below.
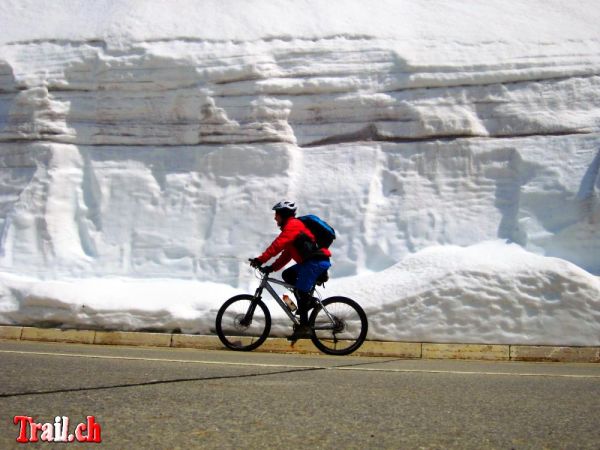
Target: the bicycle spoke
pixel 239 330
pixel 341 327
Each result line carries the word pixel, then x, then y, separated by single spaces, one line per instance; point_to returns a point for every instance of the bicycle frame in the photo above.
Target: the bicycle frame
pixel 266 284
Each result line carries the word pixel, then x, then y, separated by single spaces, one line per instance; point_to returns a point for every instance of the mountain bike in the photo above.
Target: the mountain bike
pixel 338 324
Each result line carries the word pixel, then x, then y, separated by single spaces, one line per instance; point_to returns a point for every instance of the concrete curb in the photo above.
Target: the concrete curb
pixel 414 350
pixel 466 351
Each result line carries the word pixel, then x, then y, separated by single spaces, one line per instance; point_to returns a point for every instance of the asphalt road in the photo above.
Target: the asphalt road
pixel 182 398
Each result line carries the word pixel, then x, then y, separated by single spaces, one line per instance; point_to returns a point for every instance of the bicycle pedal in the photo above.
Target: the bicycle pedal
pixel 301 332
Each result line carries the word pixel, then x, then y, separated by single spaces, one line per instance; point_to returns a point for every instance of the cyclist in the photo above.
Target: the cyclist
pixel 296 242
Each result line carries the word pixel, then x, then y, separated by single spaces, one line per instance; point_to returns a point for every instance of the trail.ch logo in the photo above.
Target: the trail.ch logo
pixel 29 430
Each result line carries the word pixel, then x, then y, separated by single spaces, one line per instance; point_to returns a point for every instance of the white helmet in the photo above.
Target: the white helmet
pixel 285 207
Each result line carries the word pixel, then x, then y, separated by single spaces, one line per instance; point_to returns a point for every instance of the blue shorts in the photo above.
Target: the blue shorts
pixel 304 275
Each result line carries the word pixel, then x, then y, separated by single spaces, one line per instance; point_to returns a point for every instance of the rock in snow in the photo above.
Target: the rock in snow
pixel 454 147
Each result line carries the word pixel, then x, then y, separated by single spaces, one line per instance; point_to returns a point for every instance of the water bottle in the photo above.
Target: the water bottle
pixel 289 302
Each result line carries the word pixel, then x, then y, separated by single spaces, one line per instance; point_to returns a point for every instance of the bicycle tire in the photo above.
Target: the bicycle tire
pixel 241 337
pixel 350 332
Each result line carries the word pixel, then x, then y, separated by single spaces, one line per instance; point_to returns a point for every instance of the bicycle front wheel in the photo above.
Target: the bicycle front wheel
pixel 343 330
pixel 243 323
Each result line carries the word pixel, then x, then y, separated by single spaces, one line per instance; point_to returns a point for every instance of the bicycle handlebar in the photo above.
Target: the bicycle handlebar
pixel 263 269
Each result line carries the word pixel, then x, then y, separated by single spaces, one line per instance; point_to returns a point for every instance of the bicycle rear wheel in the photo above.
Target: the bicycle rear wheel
pixel 243 323
pixel 345 333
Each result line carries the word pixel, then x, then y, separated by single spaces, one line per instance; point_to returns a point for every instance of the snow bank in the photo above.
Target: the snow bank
pixel 143 142
pixel 112 304
pixel 489 292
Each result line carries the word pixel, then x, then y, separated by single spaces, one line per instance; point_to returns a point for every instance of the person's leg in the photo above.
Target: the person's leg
pixel 290 275
pixel 308 272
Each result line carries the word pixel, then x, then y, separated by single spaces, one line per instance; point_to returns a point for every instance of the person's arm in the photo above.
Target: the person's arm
pixel 278 245
pixel 280 262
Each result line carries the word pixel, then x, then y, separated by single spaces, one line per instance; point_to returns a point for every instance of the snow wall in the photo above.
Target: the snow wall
pixel 142 145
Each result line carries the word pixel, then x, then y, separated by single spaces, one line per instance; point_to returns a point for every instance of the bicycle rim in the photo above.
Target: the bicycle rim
pixel 232 330
pixel 346 333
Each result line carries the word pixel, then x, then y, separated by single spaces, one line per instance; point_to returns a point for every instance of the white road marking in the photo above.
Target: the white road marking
pixel 467 372
pixel 186 361
pixel 304 367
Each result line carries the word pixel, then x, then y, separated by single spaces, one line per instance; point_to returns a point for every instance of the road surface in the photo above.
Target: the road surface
pixel 184 398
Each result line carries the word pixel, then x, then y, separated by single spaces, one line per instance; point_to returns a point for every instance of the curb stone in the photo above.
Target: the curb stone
pixel 57 335
pixel 7 332
pixel 132 338
pixel 554 354
pixel 413 350
pixel 467 351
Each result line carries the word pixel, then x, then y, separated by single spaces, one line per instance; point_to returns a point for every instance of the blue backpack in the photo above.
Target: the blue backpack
pixel 324 233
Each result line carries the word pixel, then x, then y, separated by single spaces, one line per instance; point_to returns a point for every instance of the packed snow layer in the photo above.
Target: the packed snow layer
pixel 142 143
pixel 123 21
pixel 300 91
pixel 199 211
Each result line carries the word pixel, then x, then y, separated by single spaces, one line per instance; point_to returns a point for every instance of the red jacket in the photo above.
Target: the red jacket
pixel 285 243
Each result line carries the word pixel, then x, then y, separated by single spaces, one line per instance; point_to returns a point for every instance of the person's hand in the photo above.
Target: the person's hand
pixel 266 269
pixel 255 262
